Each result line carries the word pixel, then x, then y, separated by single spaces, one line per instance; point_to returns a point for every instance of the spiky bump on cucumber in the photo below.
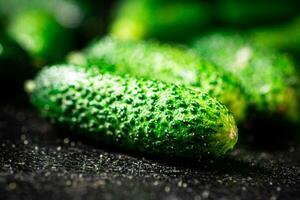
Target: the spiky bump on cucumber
pixel 149 117
pixel 268 76
pixel 152 60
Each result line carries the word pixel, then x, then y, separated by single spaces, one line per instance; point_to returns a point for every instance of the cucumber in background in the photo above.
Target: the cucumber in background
pixel 40 34
pixel 46 29
pixel 283 37
pixel 164 20
pixel 152 60
pixel 268 76
pixel 149 117
pixel 253 13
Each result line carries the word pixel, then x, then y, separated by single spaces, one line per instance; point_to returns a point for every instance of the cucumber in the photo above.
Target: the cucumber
pixel 152 60
pixel 68 13
pixel 253 13
pixel 39 33
pixel 148 117
pixel 163 20
pixel 269 77
pixel 76 21
pixel 283 37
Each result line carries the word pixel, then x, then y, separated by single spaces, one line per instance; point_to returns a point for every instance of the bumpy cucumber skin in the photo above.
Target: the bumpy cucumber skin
pixel 15 63
pixel 163 20
pixel 149 117
pixel 152 60
pixel 268 77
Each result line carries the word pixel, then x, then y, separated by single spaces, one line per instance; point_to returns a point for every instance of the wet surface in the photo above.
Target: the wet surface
pixel 36 162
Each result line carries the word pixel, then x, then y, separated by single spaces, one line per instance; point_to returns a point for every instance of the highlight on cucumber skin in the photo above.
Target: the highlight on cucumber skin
pixel 169 63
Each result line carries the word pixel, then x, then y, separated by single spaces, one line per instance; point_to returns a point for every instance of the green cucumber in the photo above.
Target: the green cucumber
pixel 39 33
pixel 163 20
pixel 39 25
pixel 148 117
pixel 283 37
pixel 268 76
pixel 177 65
pixel 245 13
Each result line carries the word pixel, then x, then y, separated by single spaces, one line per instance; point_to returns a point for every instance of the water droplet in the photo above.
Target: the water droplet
pixel 68 183
pixel 205 194
pixel 273 198
pixel 167 189
pixel 197 197
pixel 155 183
pixel 66 141
pixel 179 184
pixel 12 186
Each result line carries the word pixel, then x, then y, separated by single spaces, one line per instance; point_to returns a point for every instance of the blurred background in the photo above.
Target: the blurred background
pixel 48 30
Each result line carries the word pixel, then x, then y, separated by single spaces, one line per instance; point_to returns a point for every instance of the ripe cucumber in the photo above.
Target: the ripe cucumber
pixel 149 117
pixel 38 32
pixel 151 60
pixel 283 37
pixel 268 76
pixel 163 20
pixel 247 13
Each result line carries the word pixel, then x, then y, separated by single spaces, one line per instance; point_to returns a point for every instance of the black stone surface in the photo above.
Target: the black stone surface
pixel 36 162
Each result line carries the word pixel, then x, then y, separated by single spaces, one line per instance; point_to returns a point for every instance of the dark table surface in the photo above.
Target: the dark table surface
pixel 36 162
